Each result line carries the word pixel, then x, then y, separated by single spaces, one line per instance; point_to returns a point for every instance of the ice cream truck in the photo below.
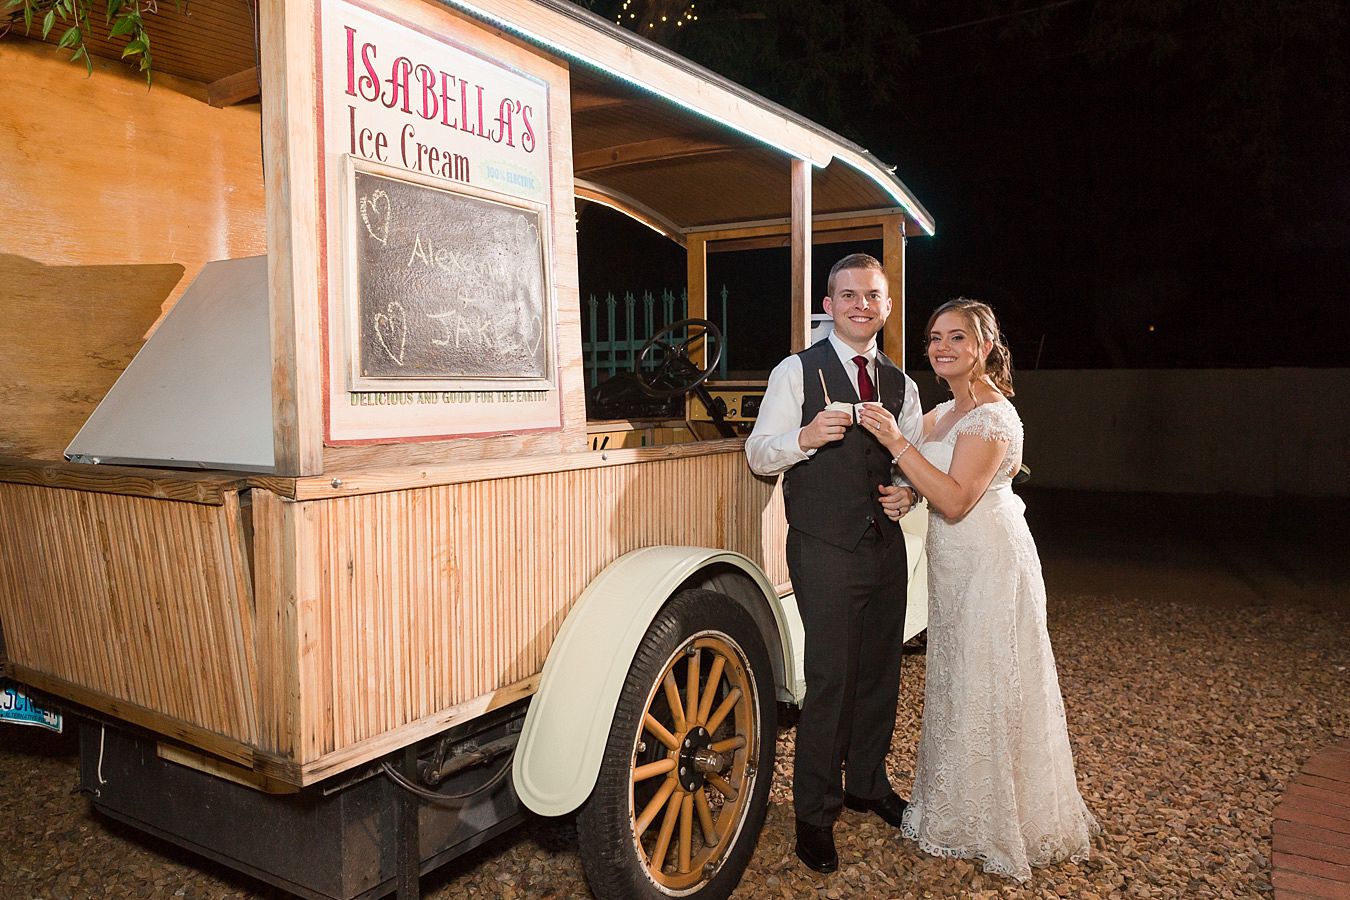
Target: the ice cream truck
pixel 304 524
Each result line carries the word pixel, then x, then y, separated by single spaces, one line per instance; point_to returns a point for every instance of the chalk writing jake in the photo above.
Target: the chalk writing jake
pixel 449 287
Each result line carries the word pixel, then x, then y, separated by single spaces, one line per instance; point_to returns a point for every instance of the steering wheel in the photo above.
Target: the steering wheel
pixel 676 374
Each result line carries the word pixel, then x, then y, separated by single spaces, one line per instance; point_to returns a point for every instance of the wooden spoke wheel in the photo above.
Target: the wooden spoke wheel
pixel 684 783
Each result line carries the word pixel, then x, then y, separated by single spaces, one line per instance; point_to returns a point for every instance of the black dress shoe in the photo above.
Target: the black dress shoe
pixel 890 807
pixel 815 847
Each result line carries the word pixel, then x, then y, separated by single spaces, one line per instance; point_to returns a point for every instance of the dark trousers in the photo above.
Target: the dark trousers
pixel 852 605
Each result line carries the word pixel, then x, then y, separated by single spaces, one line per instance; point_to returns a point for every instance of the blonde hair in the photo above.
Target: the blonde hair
pixel 984 327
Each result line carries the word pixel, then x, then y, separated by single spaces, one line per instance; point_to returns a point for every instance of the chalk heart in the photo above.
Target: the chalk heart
pixel 376 212
pixel 391 329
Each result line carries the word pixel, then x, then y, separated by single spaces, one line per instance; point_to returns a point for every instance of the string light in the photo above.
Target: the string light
pixel 655 17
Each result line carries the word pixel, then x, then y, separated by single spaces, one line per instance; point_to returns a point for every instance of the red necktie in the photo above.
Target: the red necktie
pixel 865 391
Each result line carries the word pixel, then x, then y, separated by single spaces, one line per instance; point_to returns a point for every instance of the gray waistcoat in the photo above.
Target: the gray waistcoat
pixel 833 495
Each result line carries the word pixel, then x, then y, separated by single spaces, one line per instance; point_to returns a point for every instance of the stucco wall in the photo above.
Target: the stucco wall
pixel 1262 432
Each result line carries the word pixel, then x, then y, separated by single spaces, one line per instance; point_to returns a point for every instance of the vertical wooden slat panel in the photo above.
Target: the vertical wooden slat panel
pixel 201 683
pixel 240 610
pixel 313 620
pixel 117 628
pixel 455 591
pixel 274 552
pixel 364 613
pixel 134 598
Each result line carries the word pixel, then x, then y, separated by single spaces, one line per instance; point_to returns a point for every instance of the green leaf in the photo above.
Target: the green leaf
pixel 124 18
pixel 88 63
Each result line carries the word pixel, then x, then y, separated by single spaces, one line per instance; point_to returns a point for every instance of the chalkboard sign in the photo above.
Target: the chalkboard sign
pixel 449 288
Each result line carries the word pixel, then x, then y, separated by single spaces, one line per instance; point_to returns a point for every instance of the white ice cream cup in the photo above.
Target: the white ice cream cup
pixel 841 406
pixel 859 407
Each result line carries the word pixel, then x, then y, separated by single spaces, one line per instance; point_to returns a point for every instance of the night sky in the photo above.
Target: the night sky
pixel 1137 183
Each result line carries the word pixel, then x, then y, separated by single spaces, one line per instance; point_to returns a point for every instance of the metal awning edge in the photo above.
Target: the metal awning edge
pixel 566 29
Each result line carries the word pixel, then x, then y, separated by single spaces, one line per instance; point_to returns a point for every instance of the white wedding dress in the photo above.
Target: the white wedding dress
pixel 994 780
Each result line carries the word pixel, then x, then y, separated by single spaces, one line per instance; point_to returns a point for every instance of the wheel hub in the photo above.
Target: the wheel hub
pixel 696 759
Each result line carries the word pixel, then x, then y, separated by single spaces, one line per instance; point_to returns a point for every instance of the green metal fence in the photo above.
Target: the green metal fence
pixel 625 328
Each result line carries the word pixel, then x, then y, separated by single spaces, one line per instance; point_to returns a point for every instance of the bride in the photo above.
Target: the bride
pixel 994 779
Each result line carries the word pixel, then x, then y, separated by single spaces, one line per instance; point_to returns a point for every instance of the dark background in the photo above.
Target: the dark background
pixel 1134 183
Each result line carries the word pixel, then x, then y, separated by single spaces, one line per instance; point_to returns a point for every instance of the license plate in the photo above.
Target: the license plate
pixel 19 708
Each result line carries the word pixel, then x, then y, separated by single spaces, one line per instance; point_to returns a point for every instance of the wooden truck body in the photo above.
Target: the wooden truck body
pixel 342 537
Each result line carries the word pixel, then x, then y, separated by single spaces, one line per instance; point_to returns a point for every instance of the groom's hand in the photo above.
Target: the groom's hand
pixel 828 426
pixel 896 500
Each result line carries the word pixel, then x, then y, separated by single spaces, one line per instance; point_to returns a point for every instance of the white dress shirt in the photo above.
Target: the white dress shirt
pixel 773 447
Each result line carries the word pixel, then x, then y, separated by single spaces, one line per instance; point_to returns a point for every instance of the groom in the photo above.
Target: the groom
pixel 845 557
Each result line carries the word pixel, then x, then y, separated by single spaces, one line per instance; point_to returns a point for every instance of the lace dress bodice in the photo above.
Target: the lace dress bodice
pixel 996 421
pixel 994 779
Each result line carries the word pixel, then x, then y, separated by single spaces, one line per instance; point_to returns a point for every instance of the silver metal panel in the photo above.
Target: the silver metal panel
pixel 199 393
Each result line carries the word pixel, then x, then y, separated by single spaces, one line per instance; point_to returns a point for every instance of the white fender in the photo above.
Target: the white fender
pixel 915 528
pixel 568 722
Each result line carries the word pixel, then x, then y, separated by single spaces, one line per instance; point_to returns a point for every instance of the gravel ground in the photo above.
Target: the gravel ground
pixel 1202 661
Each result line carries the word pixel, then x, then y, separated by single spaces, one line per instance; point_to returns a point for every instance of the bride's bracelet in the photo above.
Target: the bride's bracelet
pixel 896 460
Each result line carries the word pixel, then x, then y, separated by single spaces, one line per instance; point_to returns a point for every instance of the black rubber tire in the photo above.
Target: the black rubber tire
pixel 613 856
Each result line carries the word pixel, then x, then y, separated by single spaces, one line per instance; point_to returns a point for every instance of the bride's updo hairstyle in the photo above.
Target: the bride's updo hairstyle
pixel 983 327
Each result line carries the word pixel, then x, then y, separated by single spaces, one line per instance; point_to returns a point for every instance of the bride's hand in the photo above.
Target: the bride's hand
pixel 878 422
